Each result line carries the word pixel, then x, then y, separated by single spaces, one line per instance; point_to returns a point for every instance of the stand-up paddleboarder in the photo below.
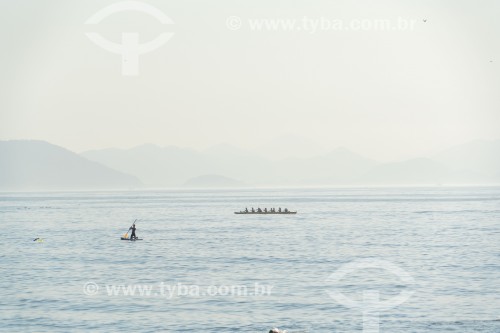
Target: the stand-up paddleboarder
pixel 133 236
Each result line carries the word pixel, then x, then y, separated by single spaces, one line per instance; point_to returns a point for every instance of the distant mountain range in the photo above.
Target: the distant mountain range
pixel 473 163
pixel 38 165
pixel 32 165
pixel 173 166
pixel 476 162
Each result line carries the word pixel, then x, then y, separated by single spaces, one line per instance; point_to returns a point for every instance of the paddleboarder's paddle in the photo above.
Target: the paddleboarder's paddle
pixel 126 234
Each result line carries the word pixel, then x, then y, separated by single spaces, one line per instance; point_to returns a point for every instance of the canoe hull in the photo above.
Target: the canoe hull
pixel 264 213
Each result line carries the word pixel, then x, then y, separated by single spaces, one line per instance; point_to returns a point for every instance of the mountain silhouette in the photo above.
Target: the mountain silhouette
pixel 38 165
pixel 32 165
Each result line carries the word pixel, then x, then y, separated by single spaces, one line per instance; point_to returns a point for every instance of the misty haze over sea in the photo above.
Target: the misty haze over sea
pixel 37 165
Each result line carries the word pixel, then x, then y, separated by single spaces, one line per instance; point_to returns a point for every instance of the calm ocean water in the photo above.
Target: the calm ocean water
pixel 447 240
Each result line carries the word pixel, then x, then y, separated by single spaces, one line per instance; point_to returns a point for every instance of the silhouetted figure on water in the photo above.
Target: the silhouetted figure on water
pixel 132 236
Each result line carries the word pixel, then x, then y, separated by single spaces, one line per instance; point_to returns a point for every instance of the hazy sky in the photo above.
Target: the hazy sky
pixel 385 94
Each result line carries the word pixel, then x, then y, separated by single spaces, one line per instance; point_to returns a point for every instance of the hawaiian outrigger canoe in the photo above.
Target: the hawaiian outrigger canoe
pixel 265 213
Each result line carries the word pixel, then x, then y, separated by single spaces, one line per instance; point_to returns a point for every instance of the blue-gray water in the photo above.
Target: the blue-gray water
pixel 446 239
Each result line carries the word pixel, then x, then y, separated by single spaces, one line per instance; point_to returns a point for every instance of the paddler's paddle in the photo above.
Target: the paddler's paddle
pixel 126 234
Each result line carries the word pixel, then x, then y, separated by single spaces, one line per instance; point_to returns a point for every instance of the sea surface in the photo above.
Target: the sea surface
pixel 415 259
